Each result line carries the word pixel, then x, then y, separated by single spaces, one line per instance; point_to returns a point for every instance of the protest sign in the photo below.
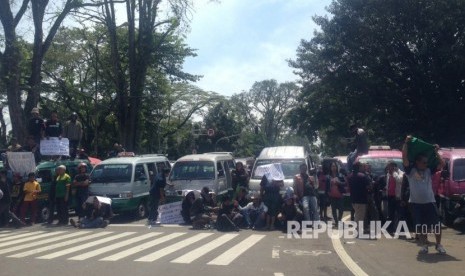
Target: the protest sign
pixel 170 213
pixel 54 146
pixel 21 162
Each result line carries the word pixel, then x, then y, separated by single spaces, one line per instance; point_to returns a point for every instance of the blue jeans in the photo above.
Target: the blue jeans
pixel 310 206
pixel 91 223
pixel 254 219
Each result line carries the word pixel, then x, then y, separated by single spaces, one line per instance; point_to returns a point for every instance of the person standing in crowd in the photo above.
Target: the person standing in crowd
pixel 323 196
pixel 254 212
pixel 422 199
pixel 359 185
pixel 81 188
pixel 14 145
pixel 63 183
pixel 306 191
pixel 73 131
pixel 157 195
pixel 240 177
pixel 17 193
pixel 360 145
pixel 393 191
pixel 335 183
pixel 36 126
pixel 372 212
pixel 379 194
pixel 5 202
pixel 53 127
pixel 34 147
pixel 31 190
pixel 270 186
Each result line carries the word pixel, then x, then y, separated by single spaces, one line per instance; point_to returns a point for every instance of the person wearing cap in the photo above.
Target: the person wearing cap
pixel 63 183
pixel 157 194
pixel 36 125
pixel 81 188
pixel 73 131
pixel 31 190
pixel 254 212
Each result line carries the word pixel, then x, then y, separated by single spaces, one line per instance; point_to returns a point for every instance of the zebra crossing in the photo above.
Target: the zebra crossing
pixel 220 249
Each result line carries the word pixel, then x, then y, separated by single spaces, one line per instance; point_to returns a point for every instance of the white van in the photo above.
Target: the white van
pixel 193 172
pixel 126 180
pixel 290 157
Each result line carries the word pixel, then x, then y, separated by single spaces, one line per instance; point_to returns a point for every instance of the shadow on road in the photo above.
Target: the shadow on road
pixel 436 258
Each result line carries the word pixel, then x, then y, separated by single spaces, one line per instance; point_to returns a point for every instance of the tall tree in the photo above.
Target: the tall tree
pixel 397 67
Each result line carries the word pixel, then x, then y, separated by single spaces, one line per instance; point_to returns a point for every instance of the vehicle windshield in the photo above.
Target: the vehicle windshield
pixel 378 164
pixel 193 170
pixel 459 170
pixel 290 166
pixel 111 173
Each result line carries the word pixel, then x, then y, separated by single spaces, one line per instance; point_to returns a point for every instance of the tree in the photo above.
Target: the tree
pixel 396 67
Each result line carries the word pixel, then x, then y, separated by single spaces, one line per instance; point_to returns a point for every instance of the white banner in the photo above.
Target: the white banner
pixel 54 146
pixel 170 213
pixel 21 162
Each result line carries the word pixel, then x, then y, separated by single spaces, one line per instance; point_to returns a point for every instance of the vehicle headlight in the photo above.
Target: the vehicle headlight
pixel 125 195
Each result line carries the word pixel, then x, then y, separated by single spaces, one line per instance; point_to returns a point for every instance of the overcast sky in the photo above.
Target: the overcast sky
pixel 240 42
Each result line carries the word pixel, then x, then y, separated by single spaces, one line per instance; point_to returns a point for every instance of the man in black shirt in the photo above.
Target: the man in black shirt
pixel 36 125
pixel 359 185
pixel 81 184
pixel 157 195
pixel 53 127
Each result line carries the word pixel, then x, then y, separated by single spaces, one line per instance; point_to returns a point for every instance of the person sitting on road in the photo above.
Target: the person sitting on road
pixel 186 207
pixel 97 215
pixel 229 219
pixel 254 212
pixel 241 197
pixel 207 197
pixel 201 214
pixel 290 211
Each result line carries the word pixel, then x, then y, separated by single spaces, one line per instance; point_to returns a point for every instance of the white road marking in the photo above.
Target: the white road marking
pixel 20 236
pixel 112 247
pixel 7 233
pixel 230 255
pixel 173 248
pixel 57 245
pixel 345 258
pixel 145 225
pixel 84 246
pixel 275 252
pixel 134 250
pixel 278 274
pixel 36 237
pixel 204 249
pixel 39 242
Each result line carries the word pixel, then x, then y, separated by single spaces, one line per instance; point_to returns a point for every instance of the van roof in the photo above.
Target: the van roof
pixel 282 152
pixel 383 154
pixel 452 152
pixel 133 160
pixel 53 164
pixel 206 157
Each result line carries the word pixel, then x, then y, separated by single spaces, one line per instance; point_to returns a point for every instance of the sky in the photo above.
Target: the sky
pixel 240 42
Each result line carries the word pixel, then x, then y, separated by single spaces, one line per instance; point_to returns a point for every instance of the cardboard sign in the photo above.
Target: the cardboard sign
pixel 170 213
pixel 54 146
pixel 21 162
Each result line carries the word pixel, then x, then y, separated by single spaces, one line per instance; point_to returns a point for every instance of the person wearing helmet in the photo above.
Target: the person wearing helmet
pixel 73 131
pixel 81 189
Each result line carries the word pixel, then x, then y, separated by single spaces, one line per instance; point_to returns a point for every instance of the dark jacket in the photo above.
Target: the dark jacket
pixel 359 184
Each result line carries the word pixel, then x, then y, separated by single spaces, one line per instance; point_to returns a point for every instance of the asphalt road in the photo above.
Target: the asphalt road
pixel 129 247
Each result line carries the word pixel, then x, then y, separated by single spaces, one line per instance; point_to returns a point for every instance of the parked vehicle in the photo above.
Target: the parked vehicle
pixel 127 180
pixel 379 156
pixel 290 157
pixel 453 182
pixel 45 174
pixel 195 171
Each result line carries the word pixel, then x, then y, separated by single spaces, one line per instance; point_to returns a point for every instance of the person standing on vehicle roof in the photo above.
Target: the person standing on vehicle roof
pixel 81 188
pixel 53 127
pixel 157 195
pixel 73 131
pixel 360 145
pixel 36 125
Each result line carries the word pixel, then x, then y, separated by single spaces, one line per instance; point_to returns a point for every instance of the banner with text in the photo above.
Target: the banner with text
pixel 170 213
pixel 21 162
pixel 54 146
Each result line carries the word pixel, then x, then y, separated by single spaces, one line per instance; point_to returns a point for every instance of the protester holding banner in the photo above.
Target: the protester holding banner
pixel 270 185
pixel 73 131
pixel 53 127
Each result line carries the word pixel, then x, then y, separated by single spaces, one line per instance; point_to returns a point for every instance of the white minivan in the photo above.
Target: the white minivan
pixel 193 172
pixel 126 180
pixel 290 157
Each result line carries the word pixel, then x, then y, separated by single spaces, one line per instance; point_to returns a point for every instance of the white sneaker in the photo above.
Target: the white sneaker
pixel 440 249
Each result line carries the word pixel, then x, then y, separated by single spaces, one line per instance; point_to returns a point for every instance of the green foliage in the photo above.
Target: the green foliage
pixel 396 67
